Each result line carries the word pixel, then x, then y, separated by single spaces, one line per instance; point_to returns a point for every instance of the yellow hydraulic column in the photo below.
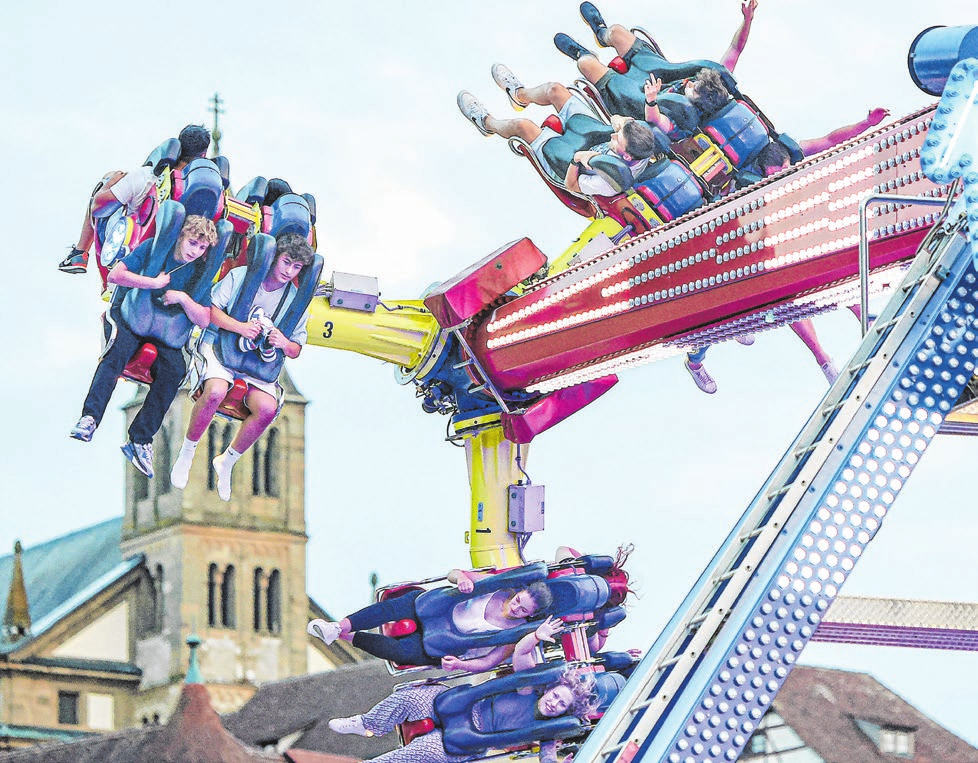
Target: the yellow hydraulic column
pixel 491 460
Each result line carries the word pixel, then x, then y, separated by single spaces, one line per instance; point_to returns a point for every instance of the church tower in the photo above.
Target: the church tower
pixel 232 572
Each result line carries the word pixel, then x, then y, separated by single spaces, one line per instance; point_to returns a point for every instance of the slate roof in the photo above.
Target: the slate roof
pixel 822 706
pixel 306 703
pixel 64 573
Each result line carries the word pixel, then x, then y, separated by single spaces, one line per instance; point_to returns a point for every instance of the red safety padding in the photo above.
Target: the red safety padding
pixel 139 366
pixel 413 729
pixel 400 628
pixel 233 406
pixel 554 123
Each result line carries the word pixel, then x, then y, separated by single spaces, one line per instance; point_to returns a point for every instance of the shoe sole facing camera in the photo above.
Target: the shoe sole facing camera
pixel 593 18
pixel 129 451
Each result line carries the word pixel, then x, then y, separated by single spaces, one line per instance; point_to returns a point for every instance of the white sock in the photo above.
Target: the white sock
pixel 223 464
pixel 180 473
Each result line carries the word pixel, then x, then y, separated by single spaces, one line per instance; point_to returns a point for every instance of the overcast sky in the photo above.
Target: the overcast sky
pixel 355 103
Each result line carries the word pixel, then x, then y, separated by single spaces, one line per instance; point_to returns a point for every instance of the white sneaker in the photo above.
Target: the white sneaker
pixel 830 371
pixel 473 110
pixel 508 82
pixel 324 630
pixel 351 725
pixel 702 378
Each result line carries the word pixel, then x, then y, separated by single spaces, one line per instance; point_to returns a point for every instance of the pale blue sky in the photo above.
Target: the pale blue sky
pixel 355 103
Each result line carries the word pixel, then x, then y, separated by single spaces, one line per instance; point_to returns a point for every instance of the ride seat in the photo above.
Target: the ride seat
pixel 290 213
pixel 580 133
pixel 200 188
pixel 575 595
pixel 164 155
pixel 253 192
pixel 453 711
pixel 670 187
pixel 680 110
pixel 738 131
pixel 142 308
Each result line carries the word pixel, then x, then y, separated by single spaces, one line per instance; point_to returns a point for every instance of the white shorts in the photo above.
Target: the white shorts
pixel 574 105
pixel 214 369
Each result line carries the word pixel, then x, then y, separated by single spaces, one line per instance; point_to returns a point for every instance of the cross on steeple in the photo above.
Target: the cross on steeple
pixel 216 110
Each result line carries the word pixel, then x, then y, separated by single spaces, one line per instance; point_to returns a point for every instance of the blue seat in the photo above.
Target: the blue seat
pixel 203 188
pixel 670 187
pixel 142 309
pixel 573 595
pixel 291 214
pixel 739 132
pixel 261 256
pixel 164 155
pixel 253 192
pixel 453 709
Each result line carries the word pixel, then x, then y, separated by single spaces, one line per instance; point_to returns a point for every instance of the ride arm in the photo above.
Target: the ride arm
pixel 497 656
pixel 842 134
pixel 739 41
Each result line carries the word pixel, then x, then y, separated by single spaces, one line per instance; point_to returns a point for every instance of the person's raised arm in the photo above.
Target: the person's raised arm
pixel 652 114
pixel 739 41
pixel 842 134
pixel 523 655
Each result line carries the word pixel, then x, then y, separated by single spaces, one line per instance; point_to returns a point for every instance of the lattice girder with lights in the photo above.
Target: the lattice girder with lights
pixel 714 671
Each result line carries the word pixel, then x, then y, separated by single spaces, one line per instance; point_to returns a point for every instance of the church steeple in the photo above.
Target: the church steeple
pixel 17 618
pixel 235 570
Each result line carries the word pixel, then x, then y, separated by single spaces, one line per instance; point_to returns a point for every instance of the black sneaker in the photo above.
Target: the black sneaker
pixel 569 47
pixel 75 262
pixel 592 16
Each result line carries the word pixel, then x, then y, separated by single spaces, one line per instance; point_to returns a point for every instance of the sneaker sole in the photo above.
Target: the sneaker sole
pixel 594 31
pixel 81 436
pixel 73 269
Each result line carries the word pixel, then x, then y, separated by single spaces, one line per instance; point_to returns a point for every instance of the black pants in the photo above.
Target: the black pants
pixel 406 650
pixel 168 371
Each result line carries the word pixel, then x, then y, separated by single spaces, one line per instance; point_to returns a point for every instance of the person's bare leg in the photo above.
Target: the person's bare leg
pixel 591 68
pixel 548 94
pixel 263 408
pixel 86 236
pixel 805 330
pixel 205 407
pixel 513 128
pixel 619 38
